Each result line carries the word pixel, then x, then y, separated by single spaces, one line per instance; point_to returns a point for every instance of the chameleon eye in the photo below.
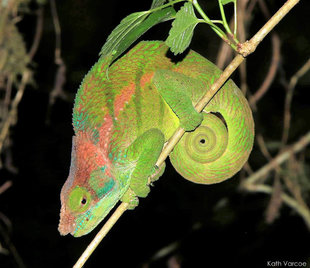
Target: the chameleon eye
pixel 79 199
pixel 83 201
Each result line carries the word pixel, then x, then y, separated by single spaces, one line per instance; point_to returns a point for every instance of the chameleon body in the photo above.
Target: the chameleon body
pixel 122 122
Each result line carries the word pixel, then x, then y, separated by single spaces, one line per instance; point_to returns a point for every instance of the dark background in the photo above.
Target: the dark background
pixel 210 226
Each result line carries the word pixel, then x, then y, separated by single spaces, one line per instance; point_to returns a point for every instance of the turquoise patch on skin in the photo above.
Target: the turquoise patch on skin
pixel 100 182
pixel 79 120
pixel 107 187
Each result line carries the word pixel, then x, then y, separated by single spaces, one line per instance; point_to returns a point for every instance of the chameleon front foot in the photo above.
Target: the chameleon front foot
pixel 157 173
pixel 191 122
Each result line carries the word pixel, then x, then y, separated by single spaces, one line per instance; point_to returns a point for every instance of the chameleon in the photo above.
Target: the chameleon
pixel 122 122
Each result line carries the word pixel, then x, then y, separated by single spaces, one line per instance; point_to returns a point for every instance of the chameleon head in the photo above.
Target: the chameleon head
pixel 90 191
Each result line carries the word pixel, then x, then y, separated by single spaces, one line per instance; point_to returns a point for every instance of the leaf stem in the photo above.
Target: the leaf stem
pixel 214 27
pixel 217 21
pixel 225 24
pixel 165 5
pixel 235 18
pixel 200 11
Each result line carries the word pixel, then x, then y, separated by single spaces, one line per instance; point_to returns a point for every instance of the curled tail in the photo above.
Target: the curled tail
pixel 221 145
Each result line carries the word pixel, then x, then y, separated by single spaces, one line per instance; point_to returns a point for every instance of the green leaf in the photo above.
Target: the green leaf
pixel 157 3
pixel 125 26
pixel 181 33
pixel 224 2
pixel 131 28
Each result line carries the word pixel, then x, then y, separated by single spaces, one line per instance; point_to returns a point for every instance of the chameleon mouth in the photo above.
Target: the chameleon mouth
pixel 66 223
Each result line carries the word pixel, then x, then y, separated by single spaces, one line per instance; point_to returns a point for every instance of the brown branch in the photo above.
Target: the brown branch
pixel 249 47
pixel 224 54
pixel 282 157
pixel 288 100
pixel 242 34
pixel 272 211
pixel 262 146
pixel 291 180
pixel 271 72
pixel 298 204
pixel 274 61
pixel 3 250
pixel 8 93
pixel 60 77
pixel 5 186
pixel 38 33
pixel 12 248
pixel 302 211
pixel 13 111
pixel 250 8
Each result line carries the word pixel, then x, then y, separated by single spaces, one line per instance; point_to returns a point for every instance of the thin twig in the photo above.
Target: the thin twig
pixel 291 180
pixel 250 8
pixel 295 148
pixel 13 111
pixel 57 29
pixel 262 188
pixel 242 34
pixel 224 54
pixel 245 49
pixel 273 67
pixel 249 47
pixel 5 186
pixel 288 100
pixel 12 248
pixel 275 203
pixel 274 61
pixel 38 33
pixel 262 146
pixel 8 93
pixel 60 77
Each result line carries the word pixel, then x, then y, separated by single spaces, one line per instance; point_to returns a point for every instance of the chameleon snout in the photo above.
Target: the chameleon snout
pixel 66 223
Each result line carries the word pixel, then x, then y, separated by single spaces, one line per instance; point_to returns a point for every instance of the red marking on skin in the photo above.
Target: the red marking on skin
pixel 146 78
pixel 123 97
pixel 105 134
pixel 90 156
pixel 105 131
pixel 86 154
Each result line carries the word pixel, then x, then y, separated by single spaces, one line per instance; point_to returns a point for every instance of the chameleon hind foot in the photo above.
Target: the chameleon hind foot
pixel 131 198
pixel 139 188
pixel 158 172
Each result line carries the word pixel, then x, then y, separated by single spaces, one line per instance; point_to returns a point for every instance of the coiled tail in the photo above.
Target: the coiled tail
pixel 221 145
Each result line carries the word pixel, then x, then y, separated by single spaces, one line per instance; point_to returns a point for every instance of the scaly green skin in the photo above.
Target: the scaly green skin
pixel 122 122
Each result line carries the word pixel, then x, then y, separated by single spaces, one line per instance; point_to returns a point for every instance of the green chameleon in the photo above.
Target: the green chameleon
pixel 122 122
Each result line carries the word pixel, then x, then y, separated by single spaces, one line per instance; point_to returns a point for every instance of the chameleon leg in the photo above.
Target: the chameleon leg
pixel 176 90
pixel 131 198
pixel 144 151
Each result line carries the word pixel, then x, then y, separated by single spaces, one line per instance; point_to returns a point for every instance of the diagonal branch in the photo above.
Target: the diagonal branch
pixel 297 147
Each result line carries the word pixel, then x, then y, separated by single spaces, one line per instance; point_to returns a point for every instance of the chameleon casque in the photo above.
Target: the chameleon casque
pixel 122 122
